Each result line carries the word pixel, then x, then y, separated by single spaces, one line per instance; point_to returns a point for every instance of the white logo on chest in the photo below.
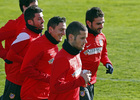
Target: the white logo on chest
pixel 77 72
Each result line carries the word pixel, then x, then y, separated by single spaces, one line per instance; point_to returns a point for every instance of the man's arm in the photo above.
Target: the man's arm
pixel 28 67
pixel 105 60
pixel 6 32
pixel 59 72
pixel 3 52
pixel 17 46
pixel 104 56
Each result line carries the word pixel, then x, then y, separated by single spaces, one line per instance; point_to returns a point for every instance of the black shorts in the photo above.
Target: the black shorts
pixel 11 91
pixel 87 93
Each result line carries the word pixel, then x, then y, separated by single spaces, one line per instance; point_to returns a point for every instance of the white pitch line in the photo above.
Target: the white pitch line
pixel 123 80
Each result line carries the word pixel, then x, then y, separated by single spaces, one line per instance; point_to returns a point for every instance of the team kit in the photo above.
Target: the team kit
pixel 36 69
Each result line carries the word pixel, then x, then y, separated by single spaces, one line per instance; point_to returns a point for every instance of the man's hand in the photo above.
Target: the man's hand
pixel 8 61
pixel 86 74
pixel 109 68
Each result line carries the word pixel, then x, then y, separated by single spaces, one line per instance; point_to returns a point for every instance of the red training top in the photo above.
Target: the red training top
pixel 94 52
pixel 37 68
pixel 9 33
pixel 65 78
pixel 16 54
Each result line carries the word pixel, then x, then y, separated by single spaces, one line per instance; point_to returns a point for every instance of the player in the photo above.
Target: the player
pixel 66 76
pixel 38 61
pixel 34 26
pixel 12 28
pixel 95 50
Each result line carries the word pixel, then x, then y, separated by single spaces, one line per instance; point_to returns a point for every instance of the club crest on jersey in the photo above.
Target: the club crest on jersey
pixel 82 93
pixel 12 96
pixel 51 61
pixel 101 42
pixel 77 72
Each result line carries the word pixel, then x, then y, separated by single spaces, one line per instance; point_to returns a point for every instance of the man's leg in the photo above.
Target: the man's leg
pixel 87 93
pixel 1 97
pixel 91 91
pixel 11 92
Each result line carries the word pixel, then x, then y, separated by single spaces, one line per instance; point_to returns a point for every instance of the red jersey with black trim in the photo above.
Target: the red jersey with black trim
pixel 95 51
pixel 36 85
pixel 16 54
pixel 9 33
pixel 65 78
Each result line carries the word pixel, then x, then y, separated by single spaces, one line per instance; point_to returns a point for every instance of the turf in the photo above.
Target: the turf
pixel 122 23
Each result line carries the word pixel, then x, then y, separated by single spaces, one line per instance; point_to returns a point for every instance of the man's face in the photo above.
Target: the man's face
pixel 97 24
pixel 38 21
pixel 58 32
pixel 80 40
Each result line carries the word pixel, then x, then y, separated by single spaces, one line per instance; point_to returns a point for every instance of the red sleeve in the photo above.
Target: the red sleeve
pixel 59 72
pixel 5 33
pixel 28 66
pixel 3 52
pixel 17 46
pixel 104 57
pixel 9 26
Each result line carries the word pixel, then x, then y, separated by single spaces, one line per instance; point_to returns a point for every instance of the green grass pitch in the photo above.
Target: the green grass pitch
pixel 122 30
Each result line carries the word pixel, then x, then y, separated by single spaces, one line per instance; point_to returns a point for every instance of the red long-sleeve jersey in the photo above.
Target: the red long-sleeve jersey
pixel 9 33
pixel 65 78
pixel 95 51
pixel 38 69
pixel 16 54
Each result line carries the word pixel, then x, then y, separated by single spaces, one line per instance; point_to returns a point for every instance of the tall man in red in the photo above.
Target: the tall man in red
pixel 38 61
pixel 95 50
pixel 66 76
pixel 11 29
pixel 34 26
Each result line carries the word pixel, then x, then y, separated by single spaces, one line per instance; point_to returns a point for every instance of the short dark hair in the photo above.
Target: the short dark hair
pixel 25 3
pixel 94 12
pixel 54 21
pixel 30 12
pixel 74 28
